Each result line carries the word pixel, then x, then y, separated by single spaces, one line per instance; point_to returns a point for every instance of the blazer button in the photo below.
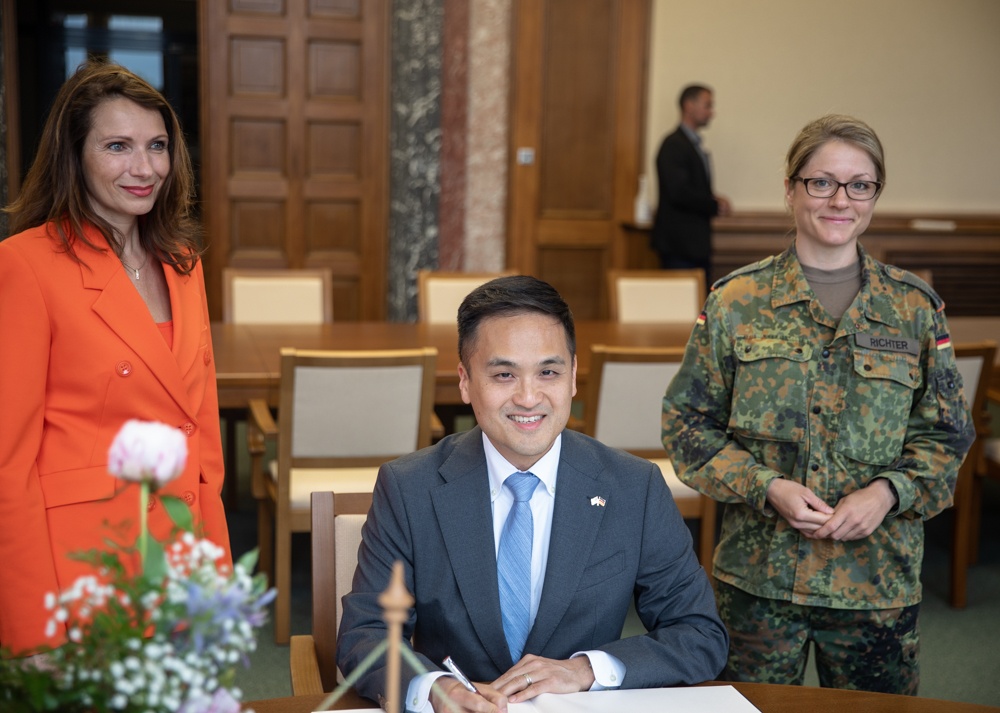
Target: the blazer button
pixel 123 368
pixel 207 357
pixel 151 505
pixel 188 429
pixel 188 497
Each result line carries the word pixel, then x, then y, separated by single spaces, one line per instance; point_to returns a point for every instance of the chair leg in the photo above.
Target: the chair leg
pixel 975 519
pixel 230 485
pixel 265 539
pixel 961 539
pixel 283 582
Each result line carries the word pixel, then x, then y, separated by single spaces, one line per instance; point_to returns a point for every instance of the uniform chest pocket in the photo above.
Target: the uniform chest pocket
pixel 770 388
pixel 877 404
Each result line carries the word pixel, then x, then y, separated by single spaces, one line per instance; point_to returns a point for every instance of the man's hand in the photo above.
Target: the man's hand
pixel 725 207
pixel 858 514
pixel 533 675
pixel 488 700
pixel 800 506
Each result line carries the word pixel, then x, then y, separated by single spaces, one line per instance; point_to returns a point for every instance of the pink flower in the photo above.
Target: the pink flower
pixel 147 452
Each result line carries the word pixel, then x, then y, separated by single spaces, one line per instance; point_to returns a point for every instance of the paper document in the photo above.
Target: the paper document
pixel 704 699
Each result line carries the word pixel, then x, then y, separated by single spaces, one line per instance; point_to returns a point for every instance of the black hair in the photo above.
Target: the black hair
pixel 506 297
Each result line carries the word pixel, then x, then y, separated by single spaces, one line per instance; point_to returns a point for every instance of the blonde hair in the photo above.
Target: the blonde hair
pixel 834 127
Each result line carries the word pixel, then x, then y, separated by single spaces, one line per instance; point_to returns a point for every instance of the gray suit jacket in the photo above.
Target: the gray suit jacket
pixel 431 510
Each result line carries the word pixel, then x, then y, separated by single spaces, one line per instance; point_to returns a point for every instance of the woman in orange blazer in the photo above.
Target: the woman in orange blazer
pixel 103 318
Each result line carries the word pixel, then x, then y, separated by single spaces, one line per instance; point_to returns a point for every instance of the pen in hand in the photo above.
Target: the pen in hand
pixel 450 664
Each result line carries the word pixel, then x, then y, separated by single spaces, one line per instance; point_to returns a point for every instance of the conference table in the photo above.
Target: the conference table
pixel 768 698
pixel 248 361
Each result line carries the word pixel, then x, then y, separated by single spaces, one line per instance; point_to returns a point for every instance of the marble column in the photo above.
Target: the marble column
pixel 448 141
pixel 415 148
pixel 454 134
pixel 487 154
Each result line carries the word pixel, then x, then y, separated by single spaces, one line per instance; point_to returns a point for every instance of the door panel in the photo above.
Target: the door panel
pixel 295 135
pixel 578 88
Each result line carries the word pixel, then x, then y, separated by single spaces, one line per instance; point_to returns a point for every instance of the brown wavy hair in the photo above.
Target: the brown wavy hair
pixel 54 191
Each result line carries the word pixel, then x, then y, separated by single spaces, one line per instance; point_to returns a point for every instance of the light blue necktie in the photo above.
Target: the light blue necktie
pixel 514 563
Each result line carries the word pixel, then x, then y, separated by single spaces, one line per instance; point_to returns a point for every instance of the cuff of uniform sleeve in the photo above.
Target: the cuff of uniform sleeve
pixel 609 671
pixel 418 693
pixel 901 488
pixel 760 479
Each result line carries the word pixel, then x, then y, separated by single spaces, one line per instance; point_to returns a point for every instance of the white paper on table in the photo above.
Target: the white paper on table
pixel 703 699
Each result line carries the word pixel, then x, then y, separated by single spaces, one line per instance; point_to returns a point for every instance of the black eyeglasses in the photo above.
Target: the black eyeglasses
pixel 827 188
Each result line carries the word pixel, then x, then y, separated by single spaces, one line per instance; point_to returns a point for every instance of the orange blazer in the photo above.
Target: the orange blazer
pixel 79 355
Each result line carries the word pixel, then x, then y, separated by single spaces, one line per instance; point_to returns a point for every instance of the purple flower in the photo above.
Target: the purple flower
pixel 147 451
pixel 221 701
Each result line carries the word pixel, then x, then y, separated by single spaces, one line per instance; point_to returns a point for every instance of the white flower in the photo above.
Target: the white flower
pixel 147 451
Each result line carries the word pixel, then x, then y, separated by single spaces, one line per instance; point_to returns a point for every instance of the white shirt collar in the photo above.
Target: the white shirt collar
pixel 499 468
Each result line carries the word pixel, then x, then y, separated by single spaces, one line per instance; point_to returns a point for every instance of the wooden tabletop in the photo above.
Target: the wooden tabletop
pixel 769 698
pixel 247 357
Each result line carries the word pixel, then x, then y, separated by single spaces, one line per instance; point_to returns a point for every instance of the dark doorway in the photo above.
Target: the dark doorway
pixel 158 41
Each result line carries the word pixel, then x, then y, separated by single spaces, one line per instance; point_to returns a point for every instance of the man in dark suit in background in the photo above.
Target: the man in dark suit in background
pixel 682 229
pixel 598 530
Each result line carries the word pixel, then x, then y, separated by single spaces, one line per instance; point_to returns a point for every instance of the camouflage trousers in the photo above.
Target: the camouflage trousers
pixel 868 650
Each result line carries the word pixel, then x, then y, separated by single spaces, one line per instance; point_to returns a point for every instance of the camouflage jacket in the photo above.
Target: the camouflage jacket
pixel 772 387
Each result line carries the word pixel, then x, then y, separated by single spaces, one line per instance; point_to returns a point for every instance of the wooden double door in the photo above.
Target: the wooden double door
pixel 295 141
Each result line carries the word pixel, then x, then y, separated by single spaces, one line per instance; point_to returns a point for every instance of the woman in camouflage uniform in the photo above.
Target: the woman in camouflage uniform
pixel 820 401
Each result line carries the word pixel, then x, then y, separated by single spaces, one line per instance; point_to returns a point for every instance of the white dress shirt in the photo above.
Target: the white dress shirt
pixel 608 670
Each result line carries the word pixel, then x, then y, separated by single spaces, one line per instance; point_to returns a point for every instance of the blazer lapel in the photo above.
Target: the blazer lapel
pixel 575 523
pixel 123 310
pixel 186 308
pixel 462 505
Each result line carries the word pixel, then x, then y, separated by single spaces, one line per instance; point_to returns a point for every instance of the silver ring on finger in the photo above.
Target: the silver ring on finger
pixel 527 678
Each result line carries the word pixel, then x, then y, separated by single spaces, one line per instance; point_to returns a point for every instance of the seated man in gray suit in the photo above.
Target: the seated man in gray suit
pixel 524 544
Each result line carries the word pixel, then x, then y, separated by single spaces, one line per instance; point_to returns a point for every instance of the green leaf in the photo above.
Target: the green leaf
pixel 248 561
pixel 179 512
pixel 155 569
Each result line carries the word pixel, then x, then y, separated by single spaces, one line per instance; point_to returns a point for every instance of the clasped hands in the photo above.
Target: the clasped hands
pixel 854 517
pixel 525 680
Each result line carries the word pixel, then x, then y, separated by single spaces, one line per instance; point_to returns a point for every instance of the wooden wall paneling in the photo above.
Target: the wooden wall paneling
pixel 526 109
pixel 296 125
pixel 570 270
pixel 961 251
pixel 578 99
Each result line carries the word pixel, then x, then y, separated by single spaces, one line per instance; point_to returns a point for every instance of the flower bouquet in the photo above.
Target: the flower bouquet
pixel 165 640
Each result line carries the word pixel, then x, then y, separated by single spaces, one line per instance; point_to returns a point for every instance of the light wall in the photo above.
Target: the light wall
pixel 925 74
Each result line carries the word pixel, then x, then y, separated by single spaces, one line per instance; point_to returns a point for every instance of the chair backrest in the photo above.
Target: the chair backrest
pixel 975 364
pixel 440 293
pixel 336 534
pixel 353 408
pixel 636 296
pixel 625 396
pixel 277 296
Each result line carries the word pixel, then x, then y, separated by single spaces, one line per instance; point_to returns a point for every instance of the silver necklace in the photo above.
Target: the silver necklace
pixel 145 259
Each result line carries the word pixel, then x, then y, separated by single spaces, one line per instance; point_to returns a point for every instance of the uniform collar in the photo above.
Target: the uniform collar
pixel 872 304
